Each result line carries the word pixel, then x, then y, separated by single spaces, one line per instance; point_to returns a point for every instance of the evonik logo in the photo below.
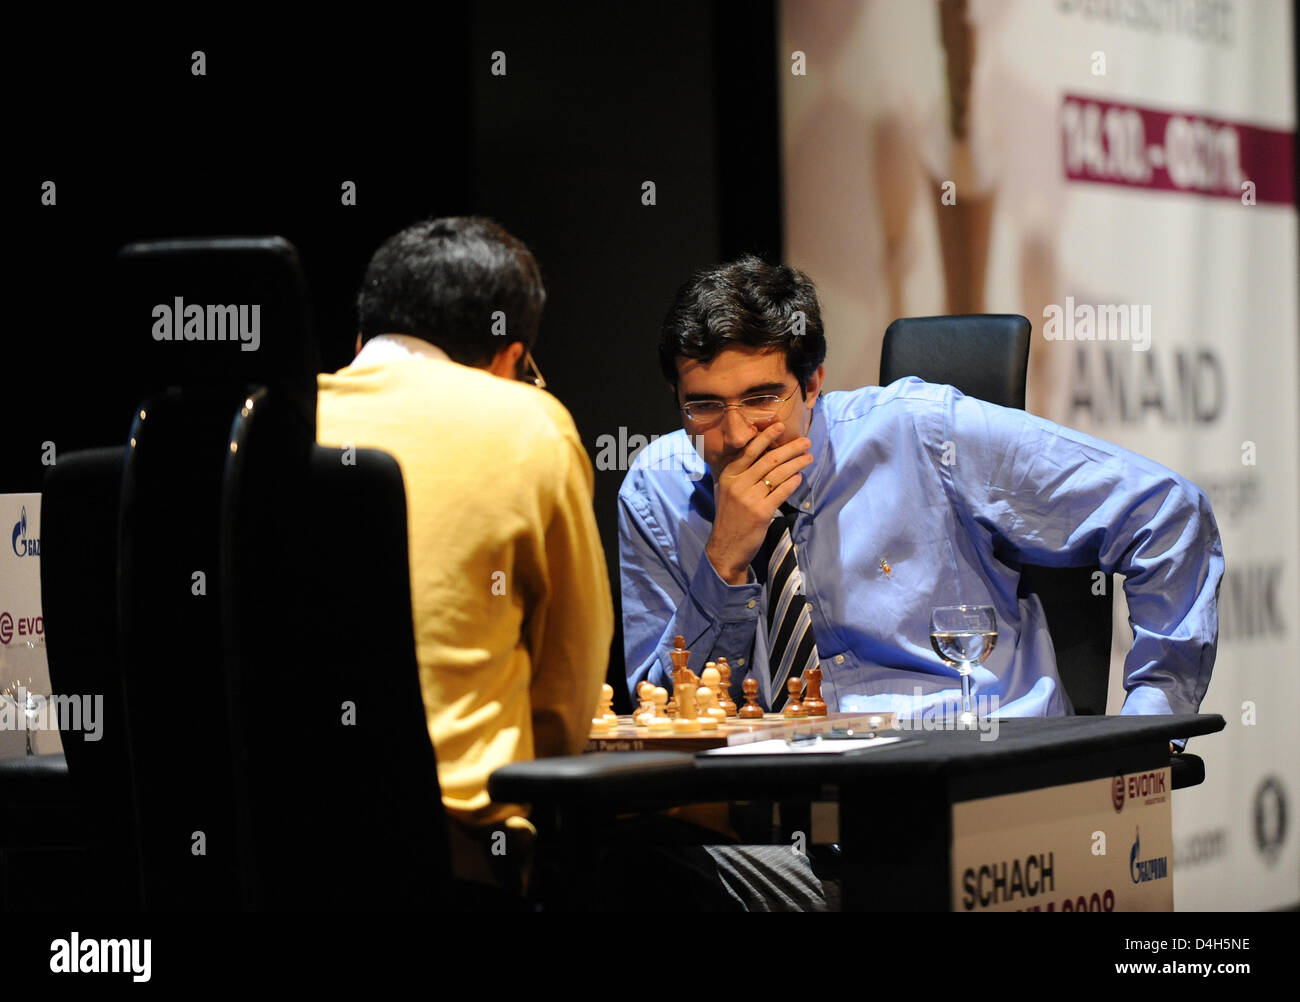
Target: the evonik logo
pixel 27 626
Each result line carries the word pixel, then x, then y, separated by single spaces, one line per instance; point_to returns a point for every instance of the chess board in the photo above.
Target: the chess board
pixel 627 736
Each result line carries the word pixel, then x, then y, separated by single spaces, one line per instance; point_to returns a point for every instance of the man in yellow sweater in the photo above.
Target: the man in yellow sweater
pixel 509 592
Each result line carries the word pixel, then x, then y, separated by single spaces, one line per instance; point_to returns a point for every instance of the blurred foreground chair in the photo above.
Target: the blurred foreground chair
pixel 241 598
pixel 336 775
pixel 169 610
pixel 130 563
pixel 79 518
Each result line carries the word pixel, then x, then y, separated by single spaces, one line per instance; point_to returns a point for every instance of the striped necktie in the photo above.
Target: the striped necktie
pixel 791 646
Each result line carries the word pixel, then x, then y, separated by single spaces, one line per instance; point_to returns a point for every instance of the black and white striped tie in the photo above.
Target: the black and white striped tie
pixel 791 646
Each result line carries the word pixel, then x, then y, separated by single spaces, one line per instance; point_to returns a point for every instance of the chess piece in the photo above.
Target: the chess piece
pixel 751 710
pixel 599 726
pixel 645 692
pixel 711 679
pixel 793 706
pixel 688 713
pixel 813 702
pixel 679 656
pixel 710 714
pixel 660 721
pixel 709 708
pixel 724 689
pixel 606 708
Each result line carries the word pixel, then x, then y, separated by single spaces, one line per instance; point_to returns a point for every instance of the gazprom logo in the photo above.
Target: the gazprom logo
pixel 24 547
pixel 1142 870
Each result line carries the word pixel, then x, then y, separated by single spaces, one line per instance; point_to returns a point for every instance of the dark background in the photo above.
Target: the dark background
pixel 597 98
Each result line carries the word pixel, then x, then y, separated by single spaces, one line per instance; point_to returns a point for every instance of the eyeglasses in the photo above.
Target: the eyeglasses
pixel 755 409
pixel 532 374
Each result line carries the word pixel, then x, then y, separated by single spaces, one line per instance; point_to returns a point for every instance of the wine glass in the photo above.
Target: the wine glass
pixel 25 703
pixel 964 635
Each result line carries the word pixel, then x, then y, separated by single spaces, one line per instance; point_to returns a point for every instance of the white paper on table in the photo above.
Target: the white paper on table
pixel 779 746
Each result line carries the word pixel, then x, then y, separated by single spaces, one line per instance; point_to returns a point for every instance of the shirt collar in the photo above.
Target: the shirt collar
pixel 390 347
pixel 804 499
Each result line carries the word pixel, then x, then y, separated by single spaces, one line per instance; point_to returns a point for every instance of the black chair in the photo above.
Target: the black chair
pixel 987 356
pixel 79 519
pixel 44 863
pixel 139 526
pixel 169 585
pixel 232 694
pixel 337 782
pixel 983 355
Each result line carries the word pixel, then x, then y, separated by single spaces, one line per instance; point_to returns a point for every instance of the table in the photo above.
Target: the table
pixel 895 804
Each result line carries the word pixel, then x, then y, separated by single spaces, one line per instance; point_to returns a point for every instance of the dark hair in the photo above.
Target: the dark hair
pixel 747 302
pixel 442 279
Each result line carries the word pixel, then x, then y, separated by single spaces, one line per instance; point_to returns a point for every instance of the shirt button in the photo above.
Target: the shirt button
pixel 810 607
pixel 740 661
pixel 839 659
pixel 750 604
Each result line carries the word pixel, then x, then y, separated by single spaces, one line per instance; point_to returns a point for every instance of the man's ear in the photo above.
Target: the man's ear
pixel 813 388
pixel 505 363
pixel 356 350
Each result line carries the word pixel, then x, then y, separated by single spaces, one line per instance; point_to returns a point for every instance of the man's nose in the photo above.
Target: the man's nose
pixel 736 431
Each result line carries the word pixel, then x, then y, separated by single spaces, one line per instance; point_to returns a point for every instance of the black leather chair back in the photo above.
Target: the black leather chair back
pixel 336 774
pixel 987 356
pixel 169 599
pixel 196 292
pixel 79 517
pixel 983 355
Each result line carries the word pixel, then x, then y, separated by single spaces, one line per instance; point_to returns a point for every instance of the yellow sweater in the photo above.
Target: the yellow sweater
pixel 509 593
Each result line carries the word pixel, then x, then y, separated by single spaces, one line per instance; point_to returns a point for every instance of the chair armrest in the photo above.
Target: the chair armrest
pixel 36 780
pixel 577 779
pixel 1186 770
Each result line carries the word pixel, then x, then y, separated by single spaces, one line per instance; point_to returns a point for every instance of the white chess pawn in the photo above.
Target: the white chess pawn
pixel 708 720
pixel 607 705
pixel 660 721
pixel 645 713
pixel 712 678
pixel 688 713
pixel 708 697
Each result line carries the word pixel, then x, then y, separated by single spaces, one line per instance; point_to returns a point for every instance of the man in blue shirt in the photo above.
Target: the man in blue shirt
pixel 896 499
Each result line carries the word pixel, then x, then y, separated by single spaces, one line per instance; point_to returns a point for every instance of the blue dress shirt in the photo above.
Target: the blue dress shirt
pixel 930 481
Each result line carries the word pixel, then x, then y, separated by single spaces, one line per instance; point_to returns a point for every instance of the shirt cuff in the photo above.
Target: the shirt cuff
pixel 723 602
pixel 1148 700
